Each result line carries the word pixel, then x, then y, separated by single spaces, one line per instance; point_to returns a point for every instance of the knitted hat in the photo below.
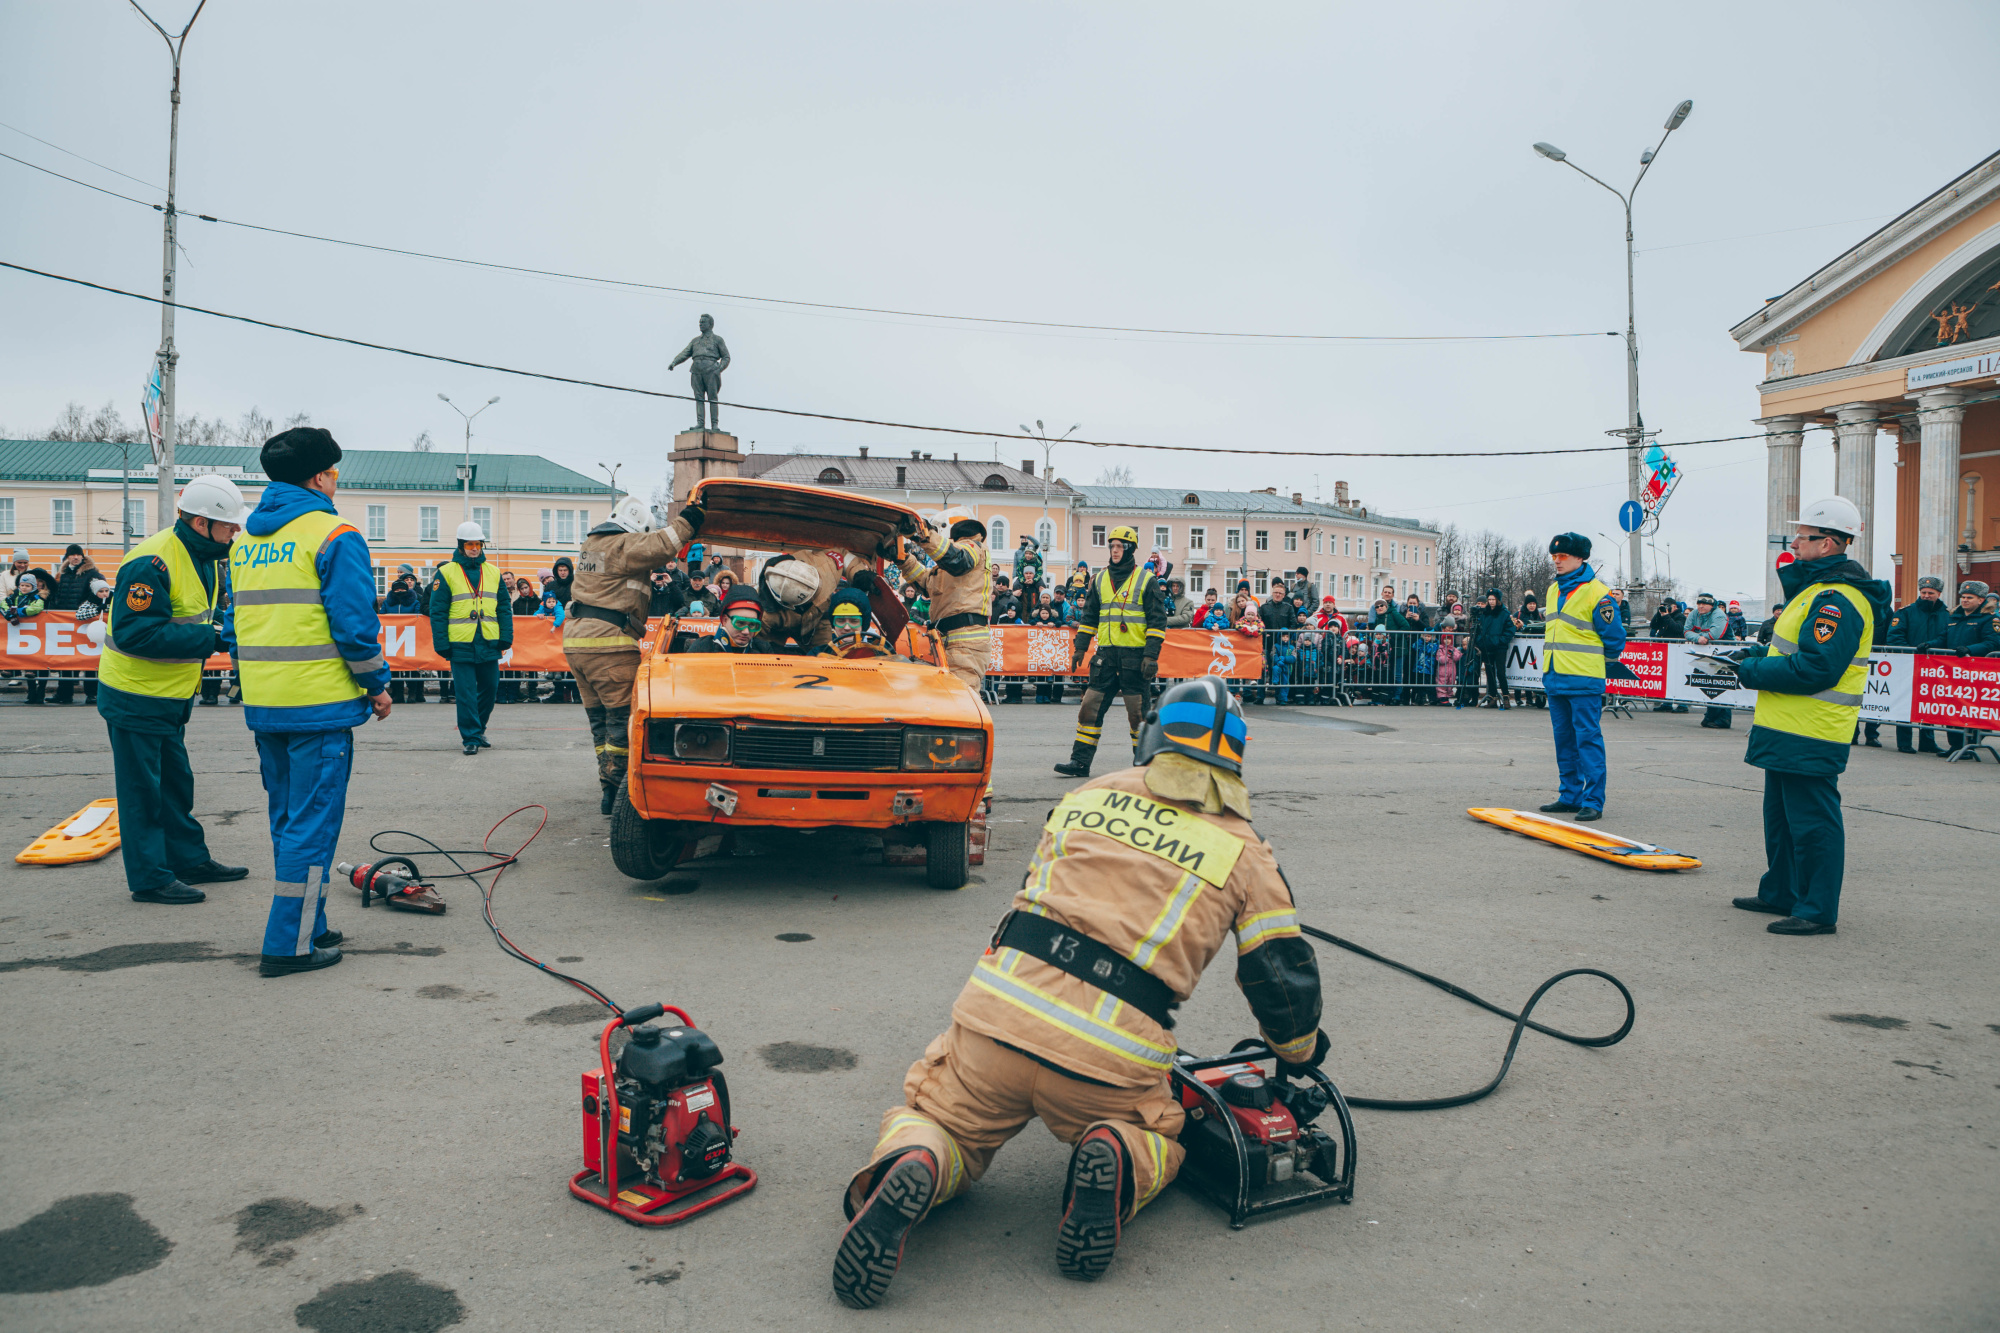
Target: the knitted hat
pixel 72 549
pixel 299 454
pixel 742 595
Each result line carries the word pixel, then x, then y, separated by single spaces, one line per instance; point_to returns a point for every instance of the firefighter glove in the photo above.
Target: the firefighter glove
pixel 694 516
pixel 1150 668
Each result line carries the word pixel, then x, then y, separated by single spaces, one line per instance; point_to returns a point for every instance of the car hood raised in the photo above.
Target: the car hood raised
pixel 824 690
pixel 741 511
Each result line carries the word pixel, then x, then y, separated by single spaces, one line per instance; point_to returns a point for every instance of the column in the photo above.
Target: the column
pixel 1854 430
pixel 1940 414
pixel 1782 437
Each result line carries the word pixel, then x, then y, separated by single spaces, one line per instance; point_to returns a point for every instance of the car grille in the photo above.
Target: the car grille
pixel 852 749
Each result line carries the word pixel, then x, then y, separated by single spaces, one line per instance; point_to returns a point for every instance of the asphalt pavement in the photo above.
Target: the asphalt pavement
pixel 1798 1134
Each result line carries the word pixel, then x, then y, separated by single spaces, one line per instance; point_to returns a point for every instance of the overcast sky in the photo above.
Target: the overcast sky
pixel 1319 169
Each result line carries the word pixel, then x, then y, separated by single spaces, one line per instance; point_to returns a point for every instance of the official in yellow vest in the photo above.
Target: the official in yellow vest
pixel 159 628
pixel 1125 614
pixel 1582 633
pixel 1138 881
pixel 472 627
pixel 1810 683
pixel 308 648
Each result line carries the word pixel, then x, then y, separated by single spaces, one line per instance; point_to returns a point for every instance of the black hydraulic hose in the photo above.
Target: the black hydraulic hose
pixel 1521 1022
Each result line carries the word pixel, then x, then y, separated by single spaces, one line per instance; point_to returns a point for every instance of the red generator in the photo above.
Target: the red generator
pixel 660 1118
pixel 1252 1146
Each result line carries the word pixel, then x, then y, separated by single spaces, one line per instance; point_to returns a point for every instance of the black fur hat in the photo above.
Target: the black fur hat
pixel 299 454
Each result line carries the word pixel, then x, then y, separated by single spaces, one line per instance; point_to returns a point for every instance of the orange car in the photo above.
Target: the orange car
pixel 726 741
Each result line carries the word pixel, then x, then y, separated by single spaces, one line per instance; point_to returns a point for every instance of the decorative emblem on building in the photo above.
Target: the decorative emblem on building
pixel 1952 322
pixel 1778 363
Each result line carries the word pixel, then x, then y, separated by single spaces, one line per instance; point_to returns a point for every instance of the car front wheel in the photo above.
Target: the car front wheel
pixel 642 848
pixel 947 855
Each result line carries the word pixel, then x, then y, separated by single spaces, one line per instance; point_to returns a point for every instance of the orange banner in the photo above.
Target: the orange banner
pixel 53 641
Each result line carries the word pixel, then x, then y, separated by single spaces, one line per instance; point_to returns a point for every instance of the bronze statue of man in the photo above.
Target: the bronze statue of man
pixel 711 357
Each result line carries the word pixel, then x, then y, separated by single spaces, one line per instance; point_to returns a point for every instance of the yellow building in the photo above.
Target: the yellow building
pixel 1900 335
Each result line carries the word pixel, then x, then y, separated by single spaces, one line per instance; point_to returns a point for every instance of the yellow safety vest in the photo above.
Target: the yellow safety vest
pixel 1121 612
pixel 1828 715
pixel 471 610
pixel 1571 645
pixel 285 654
pixel 189 604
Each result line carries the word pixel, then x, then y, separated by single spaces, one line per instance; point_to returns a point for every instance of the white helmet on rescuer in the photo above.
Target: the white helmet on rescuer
pixel 949 520
pixel 1835 514
pixel 792 581
pixel 214 497
pixel 632 515
pixel 469 531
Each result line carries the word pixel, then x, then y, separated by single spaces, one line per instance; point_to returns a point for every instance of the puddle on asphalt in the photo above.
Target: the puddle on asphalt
pixel 399 1301
pixel 797 1057
pixel 120 956
pixel 793 937
pixel 1870 1020
pixel 569 1015
pixel 85 1240
pixel 264 1227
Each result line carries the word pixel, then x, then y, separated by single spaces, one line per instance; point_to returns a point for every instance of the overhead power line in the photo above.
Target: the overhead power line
pixel 830 416
pixel 634 285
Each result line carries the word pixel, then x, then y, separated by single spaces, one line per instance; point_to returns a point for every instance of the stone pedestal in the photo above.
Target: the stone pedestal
pixel 699 454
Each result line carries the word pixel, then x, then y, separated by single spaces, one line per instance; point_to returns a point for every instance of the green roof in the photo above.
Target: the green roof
pixel 360 469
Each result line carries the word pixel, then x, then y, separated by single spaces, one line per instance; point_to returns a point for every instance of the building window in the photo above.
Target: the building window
pixel 1197 541
pixel 1163 539
pixel 565 526
pixel 427 523
pixel 1261 582
pixel 1197 580
pixel 1263 539
pixel 1968 508
pixel 1319 584
pixel 1232 539
pixel 7 514
pixel 1344 585
pixel 1291 540
pixel 1427 555
pixel 548 517
pixel 1378 551
pixel 1045 534
pixel 831 476
pixel 582 522
pixel 62 518
pixel 1190 499
pixel 1318 537
pixel 378 523
pixel 1427 590
pixel 995 482
pixel 135 518
pixel 1347 546
pixel 996 534
pixel 484 518
pixel 381 578
pixel 1097 534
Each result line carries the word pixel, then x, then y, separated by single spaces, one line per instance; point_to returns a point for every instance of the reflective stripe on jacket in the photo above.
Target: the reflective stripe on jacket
pixel 191 603
pixel 472 613
pixel 285 653
pixel 1571 645
pixel 1829 714
pixel 1121 611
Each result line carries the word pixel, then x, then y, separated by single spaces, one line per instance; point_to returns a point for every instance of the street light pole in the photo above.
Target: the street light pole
pixel 1041 436
pixel 1635 433
pixel 167 356
pixel 465 469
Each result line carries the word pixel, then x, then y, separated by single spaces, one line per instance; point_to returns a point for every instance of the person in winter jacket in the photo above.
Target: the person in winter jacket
pixel 1492 631
pixel 1180 610
pixel 1710 625
pixel 1972 631
pixel 1739 628
pixel 1448 653
pixel 564 582
pixel 1212 614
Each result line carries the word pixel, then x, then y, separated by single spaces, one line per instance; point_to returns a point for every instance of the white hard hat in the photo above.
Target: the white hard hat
pixel 1835 514
pixel 469 531
pixel 949 518
pixel 793 582
pixel 632 515
pixel 214 497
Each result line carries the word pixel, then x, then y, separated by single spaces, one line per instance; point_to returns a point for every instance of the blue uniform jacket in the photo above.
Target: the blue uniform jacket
pixel 1605 620
pixel 347 591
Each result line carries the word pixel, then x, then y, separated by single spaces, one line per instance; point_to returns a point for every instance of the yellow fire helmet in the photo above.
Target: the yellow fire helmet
pixel 1130 536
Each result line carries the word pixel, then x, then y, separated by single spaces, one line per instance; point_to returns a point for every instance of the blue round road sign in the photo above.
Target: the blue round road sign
pixel 1630 516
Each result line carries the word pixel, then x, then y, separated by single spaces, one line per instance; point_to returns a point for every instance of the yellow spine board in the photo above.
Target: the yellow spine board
pixel 1603 845
pixel 54 848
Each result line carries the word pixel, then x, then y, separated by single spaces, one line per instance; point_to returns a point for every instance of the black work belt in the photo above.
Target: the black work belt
pixel 959 621
pixel 1084 958
pixel 585 611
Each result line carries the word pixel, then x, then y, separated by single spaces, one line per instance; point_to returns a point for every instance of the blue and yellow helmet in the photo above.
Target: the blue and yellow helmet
pixel 1200 719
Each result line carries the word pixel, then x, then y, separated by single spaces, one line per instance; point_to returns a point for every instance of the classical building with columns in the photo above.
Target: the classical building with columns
pixel 1899 336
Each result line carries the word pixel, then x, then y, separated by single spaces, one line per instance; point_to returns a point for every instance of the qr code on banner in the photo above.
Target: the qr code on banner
pixel 1049 650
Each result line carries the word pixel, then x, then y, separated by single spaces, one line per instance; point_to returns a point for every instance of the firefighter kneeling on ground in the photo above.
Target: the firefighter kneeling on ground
pixel 1136 884
pixel 609 600
pixel 958 584
pixel 1126 613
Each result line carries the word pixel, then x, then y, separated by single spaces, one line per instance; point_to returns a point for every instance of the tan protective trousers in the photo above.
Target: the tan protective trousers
pixel 604 684
pixel 967 652
pixel 969 1094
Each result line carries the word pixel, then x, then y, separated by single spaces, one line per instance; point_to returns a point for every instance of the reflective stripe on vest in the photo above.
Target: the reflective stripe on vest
pixel 285 654
pixel 1828 715
pixel 469 609
pixel 1572 645
pixel 993 975
pixel 189 603
pixel 1121 612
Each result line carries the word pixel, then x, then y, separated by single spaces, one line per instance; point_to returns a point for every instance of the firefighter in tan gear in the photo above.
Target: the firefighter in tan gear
pixel 607 618
pixel 1138 880
pixel 797 590
pixel 959 586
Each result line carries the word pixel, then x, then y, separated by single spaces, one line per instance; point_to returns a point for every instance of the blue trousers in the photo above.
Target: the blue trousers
pixel 157 837
pixel 1579 728
pixel 305 784
pixel 1805 846
pixel 477 685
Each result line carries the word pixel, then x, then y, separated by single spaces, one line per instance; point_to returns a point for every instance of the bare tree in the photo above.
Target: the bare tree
pixel 422 444
pixel 104 425
pixel 1116 475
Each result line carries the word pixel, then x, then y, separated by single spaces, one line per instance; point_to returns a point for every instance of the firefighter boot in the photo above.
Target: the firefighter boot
pixel 871 1248
pixel 1099 1180
pixel 1081 752
pixel 612 755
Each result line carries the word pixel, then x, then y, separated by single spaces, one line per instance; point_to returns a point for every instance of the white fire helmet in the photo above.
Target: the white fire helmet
pixel 793 582
pixel 951 518
pixel 632 515
pixel 1835 514
pixel 469 531
pixel 213 497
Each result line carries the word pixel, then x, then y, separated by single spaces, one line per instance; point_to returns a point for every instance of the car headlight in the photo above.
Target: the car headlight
pixel 944 751
pixel 702 742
